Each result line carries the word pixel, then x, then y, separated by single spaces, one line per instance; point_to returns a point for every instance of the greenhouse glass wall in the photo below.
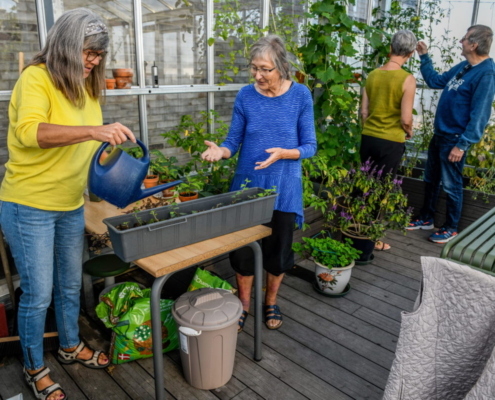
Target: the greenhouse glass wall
pixel 174 35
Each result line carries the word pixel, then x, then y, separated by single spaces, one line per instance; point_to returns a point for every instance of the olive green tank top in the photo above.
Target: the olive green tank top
pixel 384 90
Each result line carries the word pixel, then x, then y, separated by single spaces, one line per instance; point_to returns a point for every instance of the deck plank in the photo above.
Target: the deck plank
pixel 379 293
pixel 12 382
pixel 290 372
pixel 353 333
pixel 395 277
pixel 398 266
pixel 247 394
pixel 322 367
pixel 261 381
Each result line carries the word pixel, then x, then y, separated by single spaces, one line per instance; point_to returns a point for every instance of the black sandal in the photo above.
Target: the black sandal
pixel 242 320
pixel 273 313
pixel 46 392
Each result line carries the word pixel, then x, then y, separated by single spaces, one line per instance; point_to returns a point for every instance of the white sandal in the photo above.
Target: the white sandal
pixel 42 394
pixel 70 357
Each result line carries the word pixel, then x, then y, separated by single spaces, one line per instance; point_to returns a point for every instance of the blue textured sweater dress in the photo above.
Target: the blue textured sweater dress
pixel 260 123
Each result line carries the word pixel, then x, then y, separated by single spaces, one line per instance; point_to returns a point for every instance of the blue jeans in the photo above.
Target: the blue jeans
pixel 47 248
pixel 440 170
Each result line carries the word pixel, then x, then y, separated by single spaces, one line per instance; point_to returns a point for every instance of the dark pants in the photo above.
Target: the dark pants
pixel 278 256
pixel 440 170
pixel 385 154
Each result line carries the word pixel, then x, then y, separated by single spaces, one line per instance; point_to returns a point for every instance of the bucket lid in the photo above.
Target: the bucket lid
pixel 207 309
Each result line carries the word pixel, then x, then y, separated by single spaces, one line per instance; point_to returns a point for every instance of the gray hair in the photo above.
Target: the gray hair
pixel 403 43
pixel 483 36
pixel 63 51
pixel 274 47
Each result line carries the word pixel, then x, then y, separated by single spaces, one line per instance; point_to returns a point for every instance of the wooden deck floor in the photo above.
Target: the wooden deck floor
pixel 326 349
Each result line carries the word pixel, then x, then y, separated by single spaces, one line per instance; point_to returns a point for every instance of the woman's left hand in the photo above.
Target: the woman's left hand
pixel 276 153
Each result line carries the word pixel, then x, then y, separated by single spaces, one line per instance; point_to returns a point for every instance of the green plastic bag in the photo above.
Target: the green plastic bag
pixel 126 310
pixel 204 279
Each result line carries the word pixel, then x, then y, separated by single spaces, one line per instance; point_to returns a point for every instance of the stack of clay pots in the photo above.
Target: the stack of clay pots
pixel 123 77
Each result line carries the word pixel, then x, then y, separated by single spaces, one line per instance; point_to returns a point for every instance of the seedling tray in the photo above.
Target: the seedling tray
pixel 214 216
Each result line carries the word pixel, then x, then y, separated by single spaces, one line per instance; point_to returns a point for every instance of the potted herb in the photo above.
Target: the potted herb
pixel 334 261
pixel 189 190
pixel 364 203
pixel 167 170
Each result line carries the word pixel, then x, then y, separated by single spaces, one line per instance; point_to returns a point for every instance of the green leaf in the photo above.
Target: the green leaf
pixel 211 41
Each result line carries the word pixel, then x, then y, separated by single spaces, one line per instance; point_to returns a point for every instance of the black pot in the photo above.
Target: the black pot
pixel 366 247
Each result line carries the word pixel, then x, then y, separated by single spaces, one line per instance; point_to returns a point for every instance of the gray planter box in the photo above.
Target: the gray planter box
pixel 208 222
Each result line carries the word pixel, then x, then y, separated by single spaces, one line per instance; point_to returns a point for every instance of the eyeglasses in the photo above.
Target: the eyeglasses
pixel 262 71
pixel 464 38
pixel 91 55
pixel 461 73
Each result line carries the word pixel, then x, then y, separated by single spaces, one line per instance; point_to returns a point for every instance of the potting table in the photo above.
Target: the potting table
pixel 162 266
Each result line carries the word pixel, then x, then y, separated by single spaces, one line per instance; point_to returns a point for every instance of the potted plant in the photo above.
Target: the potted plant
pixel 189 190
pixel 166 169
pixel 364 203
pixel 334 261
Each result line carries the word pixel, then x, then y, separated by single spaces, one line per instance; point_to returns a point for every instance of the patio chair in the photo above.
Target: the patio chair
pixel 475 245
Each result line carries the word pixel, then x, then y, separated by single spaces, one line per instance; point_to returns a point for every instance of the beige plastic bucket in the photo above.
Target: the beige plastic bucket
pixel 207 323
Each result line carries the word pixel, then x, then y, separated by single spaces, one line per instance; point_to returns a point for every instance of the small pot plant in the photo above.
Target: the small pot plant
pixel 189 190
pixel 334 261
pixel 167 170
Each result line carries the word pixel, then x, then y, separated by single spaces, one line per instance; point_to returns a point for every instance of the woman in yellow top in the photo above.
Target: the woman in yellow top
pixel 55 128
pixel 387 107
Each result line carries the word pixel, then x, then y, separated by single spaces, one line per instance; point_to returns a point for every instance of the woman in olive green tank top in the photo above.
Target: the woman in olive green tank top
pixel 386 109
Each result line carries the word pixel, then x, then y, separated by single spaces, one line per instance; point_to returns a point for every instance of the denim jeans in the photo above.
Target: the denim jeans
pixel 47 248
pixel 440 170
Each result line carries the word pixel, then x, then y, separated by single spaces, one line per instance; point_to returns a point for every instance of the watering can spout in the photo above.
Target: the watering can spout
pixel 155 189
pixel 118 178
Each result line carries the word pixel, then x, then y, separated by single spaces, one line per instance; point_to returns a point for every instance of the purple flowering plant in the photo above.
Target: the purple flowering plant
pixel 365 201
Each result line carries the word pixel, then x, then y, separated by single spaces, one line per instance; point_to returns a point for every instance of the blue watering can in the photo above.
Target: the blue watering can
pixel 119 177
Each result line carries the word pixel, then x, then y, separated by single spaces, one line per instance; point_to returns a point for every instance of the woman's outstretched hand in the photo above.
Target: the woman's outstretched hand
pixel 276 153
pixel 213 153
pixel 114 134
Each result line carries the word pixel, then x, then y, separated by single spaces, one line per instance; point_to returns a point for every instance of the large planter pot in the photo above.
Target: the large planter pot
pixel 365 245
pixel 187 223
pixel 332 281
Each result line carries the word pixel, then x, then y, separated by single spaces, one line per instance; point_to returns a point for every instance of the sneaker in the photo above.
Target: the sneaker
pixel 444 235
pixel 420 224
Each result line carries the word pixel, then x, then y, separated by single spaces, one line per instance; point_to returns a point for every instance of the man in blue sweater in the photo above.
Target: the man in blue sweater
pixel 462 114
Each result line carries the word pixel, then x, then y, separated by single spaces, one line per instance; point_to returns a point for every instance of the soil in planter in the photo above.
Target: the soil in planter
pixel 149 204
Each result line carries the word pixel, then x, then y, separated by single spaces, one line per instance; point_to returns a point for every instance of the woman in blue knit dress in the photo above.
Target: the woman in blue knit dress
pixel 273 125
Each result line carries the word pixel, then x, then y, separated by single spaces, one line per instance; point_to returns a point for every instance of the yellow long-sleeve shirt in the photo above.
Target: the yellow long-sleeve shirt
pixel 48 179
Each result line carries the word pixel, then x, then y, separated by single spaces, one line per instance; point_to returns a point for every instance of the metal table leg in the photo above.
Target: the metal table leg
pixel 258 286
pixel 156 330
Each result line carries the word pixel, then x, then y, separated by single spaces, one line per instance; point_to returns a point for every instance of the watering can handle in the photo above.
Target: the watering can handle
pixel 144 148
pixel 96 157
pixel 106 144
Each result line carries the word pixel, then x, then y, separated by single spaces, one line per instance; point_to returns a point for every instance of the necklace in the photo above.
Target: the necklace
pixel 395 62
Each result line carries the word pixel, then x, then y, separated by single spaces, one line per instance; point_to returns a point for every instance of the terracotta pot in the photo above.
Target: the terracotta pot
pixel 122 72
pixel 167 192
pixel 110 83
pixel 150 181
pixel 300 77
pixel 123 83
pixel 186 196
